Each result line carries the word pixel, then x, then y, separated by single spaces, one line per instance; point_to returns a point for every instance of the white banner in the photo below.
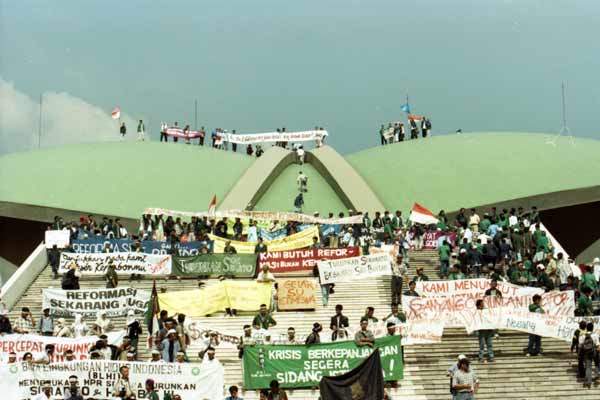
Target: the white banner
pixel 474 288
pixel 59 238
pixel 417 331
pixel 35 344
pixel 96 379
pixel 257 215
pixel 448 308
pixel 88 302
pixel 349 269
pixel 302 136
pixel 125 263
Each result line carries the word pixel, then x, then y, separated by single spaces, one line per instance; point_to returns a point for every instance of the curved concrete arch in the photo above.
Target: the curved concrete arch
pixel 351 188
pixel 257 178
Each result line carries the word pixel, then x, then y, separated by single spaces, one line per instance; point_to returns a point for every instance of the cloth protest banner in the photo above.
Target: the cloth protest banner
pixel 238 295
pixel 472 288
pixel 301 136
pixel 390 249
pixel 21 344
pixel 302 261
pixel 97 378
pixel 89 302
pixel 296 366
pixel 349 269
pixel 431 239
pixel 365 381
pixel 415 331
pixel 329 229
pixel 297 294
pixel 180 133
pixel 96 244
pixel 215 265
pixel 447 308
pixel 125 263
pixel 295 241
pixel 199 335
pixel 280 233
pixel 258 215
pixel 60 238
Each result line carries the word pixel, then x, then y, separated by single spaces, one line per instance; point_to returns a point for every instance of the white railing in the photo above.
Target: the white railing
pixel 20 281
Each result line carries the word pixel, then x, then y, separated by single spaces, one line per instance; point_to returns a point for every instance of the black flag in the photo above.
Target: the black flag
pixel 365 382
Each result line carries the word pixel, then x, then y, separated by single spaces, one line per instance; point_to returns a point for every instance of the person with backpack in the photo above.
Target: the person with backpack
pixel 575 347
pixel 588 351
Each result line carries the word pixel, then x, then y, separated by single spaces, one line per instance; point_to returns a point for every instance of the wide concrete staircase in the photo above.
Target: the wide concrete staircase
pixel 512 376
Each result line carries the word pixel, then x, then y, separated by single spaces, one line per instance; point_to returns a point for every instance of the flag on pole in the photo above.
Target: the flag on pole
pixel 405 107
pixel 414 117
pixel 152 316
pixel 212 207
pixel 421 215
pixel 116 114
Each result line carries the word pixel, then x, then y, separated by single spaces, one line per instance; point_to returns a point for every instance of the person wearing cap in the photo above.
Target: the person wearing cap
pixel 314 337
pixel 12 358
pixel 263 319
pixel 420 277
pixel 170 346
pixel 45 325
pixel 464 381
pixel 543 279
pixel 122 386
pixel 364 337
pixel 155 356
pixel 180 358
pixel 25 323
pixel 151 394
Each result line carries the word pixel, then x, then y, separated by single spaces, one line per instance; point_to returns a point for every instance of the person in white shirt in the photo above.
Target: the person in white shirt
pixel 62 329
pixel 102 325
pixel 46 393
pixel 300 153
pixel 596 264
pixel 79 327
pixel 264 275
pixel 302 182
pixel 156 356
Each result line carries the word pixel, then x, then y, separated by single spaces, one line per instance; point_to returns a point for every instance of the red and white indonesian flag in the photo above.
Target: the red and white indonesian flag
pixel 116 114
pixel 414 117
pixel 212 207
pixel 421 215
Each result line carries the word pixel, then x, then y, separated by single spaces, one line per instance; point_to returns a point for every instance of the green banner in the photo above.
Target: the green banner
pixel 214 265
pixel 296 366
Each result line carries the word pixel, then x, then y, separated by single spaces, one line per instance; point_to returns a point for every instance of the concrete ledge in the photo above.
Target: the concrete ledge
pixel 351 188
pixel 256 180
pixel 25 275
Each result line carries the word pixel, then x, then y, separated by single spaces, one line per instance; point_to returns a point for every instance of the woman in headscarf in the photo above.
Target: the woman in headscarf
pixel 62 329
pixel 79 327
pixel 102 325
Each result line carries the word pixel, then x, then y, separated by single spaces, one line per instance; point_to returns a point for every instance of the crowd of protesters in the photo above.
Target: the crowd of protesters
pixel 396 131
pixel 502 245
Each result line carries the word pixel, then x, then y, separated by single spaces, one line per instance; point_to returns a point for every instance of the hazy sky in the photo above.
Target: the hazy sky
pixel 479 65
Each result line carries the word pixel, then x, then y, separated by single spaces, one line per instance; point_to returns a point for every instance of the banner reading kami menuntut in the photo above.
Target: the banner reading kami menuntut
pixel 349 269
pixel 297 366
pixel 215 265
pixel 258 215
pixel 301 136
pixel 96 379
pixel 125 263
pixel 36 344
pixel 447 308
pixel 302 261
pixel 471 288
pixel 295 241
pixel 238 295
pixel 96 244
pixel 89 302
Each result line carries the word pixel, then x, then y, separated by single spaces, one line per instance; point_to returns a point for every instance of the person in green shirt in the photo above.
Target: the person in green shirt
pixel 535 341
pixel 396 316
pixel 366 220
pixel 584 304
pixel 151 394
pixel 444 254
pixel 456 274
pixel 542 243
pixel 588 279
pixel 260 247
pixel 485 223
pixel 397 220
pixel 442 220
pixel 369 315
pixel 263 320
pixel 420 275
pixel 544 280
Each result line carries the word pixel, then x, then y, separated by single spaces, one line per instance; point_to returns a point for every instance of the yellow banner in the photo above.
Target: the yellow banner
pixel 238 295
pixel 292 242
